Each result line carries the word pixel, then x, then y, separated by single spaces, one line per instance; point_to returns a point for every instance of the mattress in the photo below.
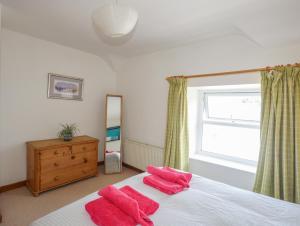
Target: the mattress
pixel 206 202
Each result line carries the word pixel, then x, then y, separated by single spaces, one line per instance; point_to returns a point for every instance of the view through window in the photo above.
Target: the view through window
pixel 229 123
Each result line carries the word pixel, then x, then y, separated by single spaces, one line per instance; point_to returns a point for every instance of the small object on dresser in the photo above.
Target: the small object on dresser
pixel 68 131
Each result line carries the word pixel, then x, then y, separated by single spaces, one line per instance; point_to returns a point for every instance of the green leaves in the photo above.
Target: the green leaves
pixel 68 130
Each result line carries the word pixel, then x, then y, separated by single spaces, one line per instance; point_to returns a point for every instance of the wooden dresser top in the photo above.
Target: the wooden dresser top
pixel 41 144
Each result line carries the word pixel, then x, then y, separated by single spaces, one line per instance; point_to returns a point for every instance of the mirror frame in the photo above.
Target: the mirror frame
pixel 121 137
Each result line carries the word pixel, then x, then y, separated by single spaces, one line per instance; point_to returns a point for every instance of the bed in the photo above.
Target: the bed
pixel 206 202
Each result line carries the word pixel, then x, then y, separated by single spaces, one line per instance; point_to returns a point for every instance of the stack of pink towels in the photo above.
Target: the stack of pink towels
pixel 121 207
pixel 167 179
pixel 128 207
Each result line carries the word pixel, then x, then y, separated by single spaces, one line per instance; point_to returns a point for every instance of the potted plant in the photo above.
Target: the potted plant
pixel 68 131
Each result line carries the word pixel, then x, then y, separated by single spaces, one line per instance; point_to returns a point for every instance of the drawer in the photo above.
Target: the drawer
pixel 84 158
pixel 55 152
pixel 64 176
pixel 84 148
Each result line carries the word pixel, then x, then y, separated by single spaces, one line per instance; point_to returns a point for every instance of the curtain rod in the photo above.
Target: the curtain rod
pixel 232 72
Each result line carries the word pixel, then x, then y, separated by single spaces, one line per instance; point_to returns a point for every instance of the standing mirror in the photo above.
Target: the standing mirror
pixel 113 140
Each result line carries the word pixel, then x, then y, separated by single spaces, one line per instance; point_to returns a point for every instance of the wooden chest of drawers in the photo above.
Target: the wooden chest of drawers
pixel 53 163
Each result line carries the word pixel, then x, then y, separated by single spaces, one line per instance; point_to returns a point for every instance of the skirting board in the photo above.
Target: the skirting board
pixel 12 186
pixel 133 168
pixel 23 183
pixel 100 163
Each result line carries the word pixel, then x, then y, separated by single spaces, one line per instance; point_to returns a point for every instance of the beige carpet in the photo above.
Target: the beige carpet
pixel 20 208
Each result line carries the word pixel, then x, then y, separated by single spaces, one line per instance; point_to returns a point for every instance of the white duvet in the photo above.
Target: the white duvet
pixel 206 202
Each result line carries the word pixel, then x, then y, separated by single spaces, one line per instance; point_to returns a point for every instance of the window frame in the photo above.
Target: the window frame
pixel 206 94
pixel 205 119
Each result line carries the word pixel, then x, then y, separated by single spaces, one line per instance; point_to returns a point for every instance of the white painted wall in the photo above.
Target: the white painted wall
pixel 228 175
pixel 1 122
pixel 27 114
pixel 142 82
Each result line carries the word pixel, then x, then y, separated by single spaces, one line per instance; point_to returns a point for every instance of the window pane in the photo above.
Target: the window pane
pixel 234 107
pixel 231 141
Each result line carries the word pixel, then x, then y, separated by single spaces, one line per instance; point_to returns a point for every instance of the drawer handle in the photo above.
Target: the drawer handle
pixel 56 178
pixel 56 152
pixel 73 157
pixel 85 160
pixel 84 148
pixel 55 164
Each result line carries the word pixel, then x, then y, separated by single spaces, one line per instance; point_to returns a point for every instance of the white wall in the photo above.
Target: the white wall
pixel 228 175
pixel 1 122
pixel 142 82
pixel 27 114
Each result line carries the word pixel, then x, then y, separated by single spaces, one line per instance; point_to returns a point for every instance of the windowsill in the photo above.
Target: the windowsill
pixel 226 163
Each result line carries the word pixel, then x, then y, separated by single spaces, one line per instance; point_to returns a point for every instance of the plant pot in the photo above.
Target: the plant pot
pixel 68 137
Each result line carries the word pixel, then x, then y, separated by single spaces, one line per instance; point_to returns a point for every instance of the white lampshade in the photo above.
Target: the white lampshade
pixel 115 20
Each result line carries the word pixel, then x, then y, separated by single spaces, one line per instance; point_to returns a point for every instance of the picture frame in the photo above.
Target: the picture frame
pixel 64 87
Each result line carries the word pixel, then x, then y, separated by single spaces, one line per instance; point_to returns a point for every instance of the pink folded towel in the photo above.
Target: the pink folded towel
pixel 147 205
pixel 187 176
pixel 171 175
pixel 127 204
pixel 104 213
pixel 124 207
pixel 163 185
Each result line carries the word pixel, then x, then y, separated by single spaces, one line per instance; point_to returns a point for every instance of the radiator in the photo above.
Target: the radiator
pixel 140 155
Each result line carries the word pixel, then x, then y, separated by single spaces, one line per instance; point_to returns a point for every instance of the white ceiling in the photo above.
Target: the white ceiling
pixel 162 23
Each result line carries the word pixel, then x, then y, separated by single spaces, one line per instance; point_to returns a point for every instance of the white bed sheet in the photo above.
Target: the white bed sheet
pixel 206 202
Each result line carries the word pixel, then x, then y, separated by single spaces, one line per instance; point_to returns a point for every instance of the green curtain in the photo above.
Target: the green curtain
pixel 176 153
pixel 278 171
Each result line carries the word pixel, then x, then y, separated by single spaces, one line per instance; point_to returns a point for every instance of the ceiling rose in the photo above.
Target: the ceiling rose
pixel 115 20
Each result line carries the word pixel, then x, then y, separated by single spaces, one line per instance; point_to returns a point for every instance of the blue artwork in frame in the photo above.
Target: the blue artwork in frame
pixel 64 87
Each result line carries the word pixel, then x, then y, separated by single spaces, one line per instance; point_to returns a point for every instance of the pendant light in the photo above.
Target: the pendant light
pixel 115 20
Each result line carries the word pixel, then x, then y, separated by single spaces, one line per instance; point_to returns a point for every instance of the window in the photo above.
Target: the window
pixel 229 123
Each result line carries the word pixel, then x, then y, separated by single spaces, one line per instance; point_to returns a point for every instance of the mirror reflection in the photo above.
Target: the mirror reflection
pixel 113 142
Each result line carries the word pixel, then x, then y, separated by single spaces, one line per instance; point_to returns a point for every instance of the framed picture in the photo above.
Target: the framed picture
pixel 64 87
